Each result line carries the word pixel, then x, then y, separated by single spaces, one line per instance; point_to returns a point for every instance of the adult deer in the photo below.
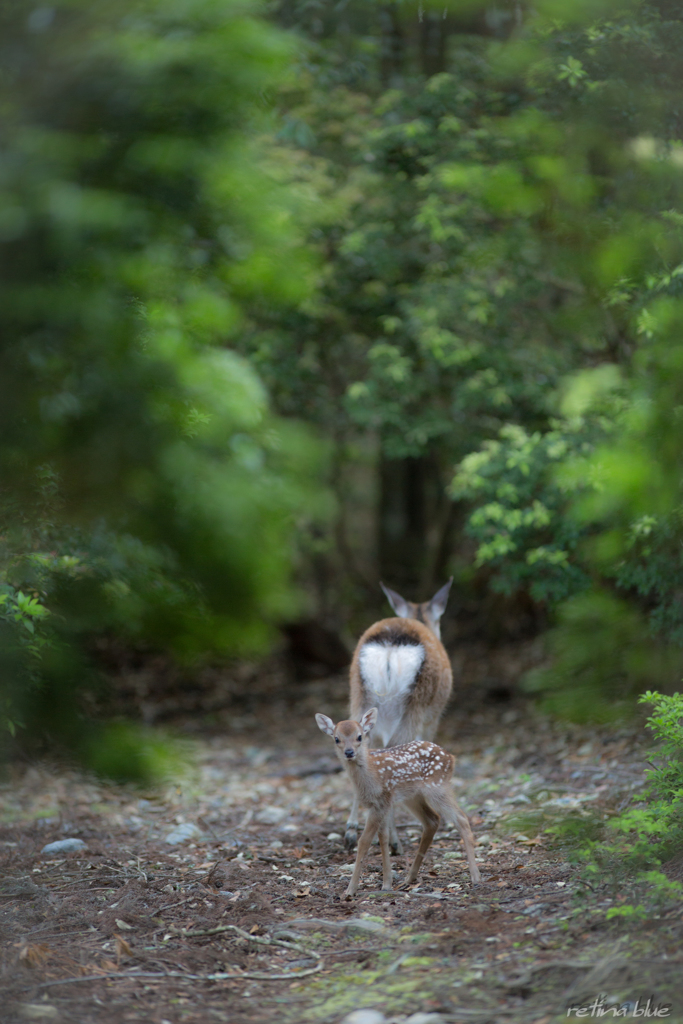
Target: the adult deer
pixel 417 773
pixel 401 668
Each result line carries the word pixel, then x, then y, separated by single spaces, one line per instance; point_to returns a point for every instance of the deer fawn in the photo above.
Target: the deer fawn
pixel 401 668
pixel 417 773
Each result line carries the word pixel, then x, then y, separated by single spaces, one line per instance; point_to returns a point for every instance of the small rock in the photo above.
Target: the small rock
pixel 272 815
pixel 63 846
pixel 333 836
pixel 276 844
pixel 38 1011
pixel 182 833
pixel 424 1018
pixel 364 1017
pixel 360 925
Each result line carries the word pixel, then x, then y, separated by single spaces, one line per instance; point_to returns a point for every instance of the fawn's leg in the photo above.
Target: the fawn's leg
pixel 373 824
pixel 351 833
pixel 452 810
pixel 352 826
pixel 430 823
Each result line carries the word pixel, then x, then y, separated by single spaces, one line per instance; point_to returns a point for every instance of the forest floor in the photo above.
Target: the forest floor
pixel 245 920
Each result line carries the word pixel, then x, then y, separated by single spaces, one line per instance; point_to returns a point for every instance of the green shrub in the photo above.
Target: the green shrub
pixel 626 852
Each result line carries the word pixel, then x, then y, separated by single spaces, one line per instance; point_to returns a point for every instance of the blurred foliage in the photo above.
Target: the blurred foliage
pixel 147 489
pixel 623 852
pixel 454 251
pixel 628 854
pixel 602 652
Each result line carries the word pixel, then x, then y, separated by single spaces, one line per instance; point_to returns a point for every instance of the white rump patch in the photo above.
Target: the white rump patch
pixel 388 673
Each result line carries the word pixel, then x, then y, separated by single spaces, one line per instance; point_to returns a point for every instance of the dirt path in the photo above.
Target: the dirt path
pixel 113 932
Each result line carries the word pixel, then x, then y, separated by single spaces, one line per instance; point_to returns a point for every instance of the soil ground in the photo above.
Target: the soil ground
pixel 245 920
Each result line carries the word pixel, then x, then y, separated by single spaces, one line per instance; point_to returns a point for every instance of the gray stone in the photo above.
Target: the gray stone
pixel 272 815
pixel 364 1017
pixel 64 846
pixel 424 1018
pixel 181 833
pixel 38 1011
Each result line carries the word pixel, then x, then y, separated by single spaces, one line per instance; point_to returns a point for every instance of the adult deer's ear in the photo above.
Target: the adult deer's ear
pixel 403 608
pixel 368 721
pixel 325 724
pixel 437 605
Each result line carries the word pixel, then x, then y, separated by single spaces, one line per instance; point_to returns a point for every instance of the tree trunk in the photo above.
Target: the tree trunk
pixel 415 526
pixel 393 45
pixel 433 43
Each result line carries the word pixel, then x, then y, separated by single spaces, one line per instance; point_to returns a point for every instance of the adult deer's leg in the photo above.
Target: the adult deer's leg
pixel 386 857
pixel 394 841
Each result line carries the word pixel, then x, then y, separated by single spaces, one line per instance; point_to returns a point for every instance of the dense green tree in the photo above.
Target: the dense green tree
pixel 501 240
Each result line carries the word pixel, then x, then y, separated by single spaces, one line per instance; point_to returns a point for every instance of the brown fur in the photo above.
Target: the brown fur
pixel 426 702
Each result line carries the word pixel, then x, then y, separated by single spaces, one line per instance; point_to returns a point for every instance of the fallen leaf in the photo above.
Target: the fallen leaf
pixel 35 955
pixel 122 947
pixel 109 965
pixel 123 925
pixel 253 929
pixel 303 892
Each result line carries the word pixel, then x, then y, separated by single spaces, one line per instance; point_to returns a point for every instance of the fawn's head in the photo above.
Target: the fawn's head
pixel 428 612
pixel 349 737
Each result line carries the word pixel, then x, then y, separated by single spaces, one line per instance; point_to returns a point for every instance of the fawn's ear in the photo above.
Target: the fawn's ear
pixel 402 607
pixel 325 724
pixel 368 721
pixel 437 605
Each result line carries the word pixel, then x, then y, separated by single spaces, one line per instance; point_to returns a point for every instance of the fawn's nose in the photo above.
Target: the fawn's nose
pixel 349 752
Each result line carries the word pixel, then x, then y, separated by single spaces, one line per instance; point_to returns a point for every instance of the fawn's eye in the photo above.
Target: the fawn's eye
pixel 336 739
pixel 360 738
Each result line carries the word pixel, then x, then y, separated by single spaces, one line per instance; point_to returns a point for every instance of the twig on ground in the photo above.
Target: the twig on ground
pixel 260 940
pixel 219 976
